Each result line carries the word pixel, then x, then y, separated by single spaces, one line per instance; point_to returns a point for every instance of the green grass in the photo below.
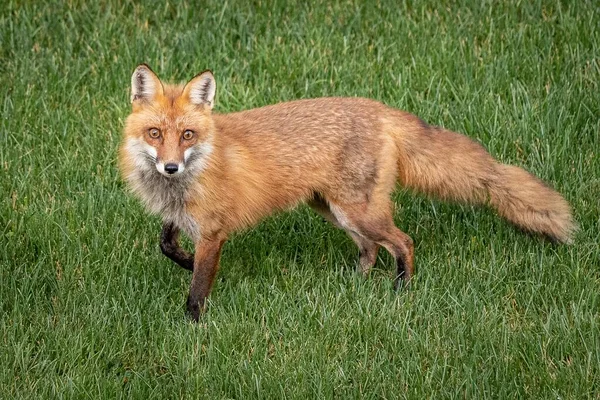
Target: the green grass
pixel 91 309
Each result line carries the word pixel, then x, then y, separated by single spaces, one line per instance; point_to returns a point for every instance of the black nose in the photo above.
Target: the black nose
pixel 171 168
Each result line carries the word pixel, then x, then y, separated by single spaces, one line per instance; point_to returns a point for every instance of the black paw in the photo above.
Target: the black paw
pixel 193 309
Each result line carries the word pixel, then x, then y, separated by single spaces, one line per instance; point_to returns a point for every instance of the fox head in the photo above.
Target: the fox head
pixel 170 129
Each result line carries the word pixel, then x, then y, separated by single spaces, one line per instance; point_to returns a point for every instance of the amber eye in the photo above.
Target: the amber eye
pixel 154 133
pixel 187 135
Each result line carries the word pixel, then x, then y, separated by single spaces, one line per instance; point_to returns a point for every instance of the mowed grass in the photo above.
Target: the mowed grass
pixel 91 309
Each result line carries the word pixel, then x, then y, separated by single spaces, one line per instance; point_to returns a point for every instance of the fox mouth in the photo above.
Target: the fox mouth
pixel 170 169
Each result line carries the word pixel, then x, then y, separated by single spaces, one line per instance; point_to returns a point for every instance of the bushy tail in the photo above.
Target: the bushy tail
pixel 451 166
pixel 528 202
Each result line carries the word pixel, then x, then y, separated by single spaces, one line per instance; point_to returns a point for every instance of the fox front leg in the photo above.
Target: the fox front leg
pixel 206 265
pixel 170 247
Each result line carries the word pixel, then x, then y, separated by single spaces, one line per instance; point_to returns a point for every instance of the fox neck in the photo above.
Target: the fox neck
pixel 164 196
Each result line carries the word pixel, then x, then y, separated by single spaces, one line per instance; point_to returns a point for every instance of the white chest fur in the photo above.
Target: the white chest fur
pixel 167 198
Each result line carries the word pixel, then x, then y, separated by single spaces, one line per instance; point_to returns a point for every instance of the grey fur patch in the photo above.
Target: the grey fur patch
pixel 166 196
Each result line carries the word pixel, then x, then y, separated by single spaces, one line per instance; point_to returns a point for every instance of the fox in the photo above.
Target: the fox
pixel 208 174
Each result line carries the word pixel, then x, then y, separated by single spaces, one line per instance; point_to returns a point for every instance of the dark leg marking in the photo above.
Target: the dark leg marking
pixel 404 262
pixel 170 247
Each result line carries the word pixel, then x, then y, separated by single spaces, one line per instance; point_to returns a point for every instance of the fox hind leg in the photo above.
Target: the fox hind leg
pixel 373 221
pixel 367 249
pixel 367 253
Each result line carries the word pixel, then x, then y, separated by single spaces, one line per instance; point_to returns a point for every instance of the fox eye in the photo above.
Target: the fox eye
pixel 154 133
pixel 188 134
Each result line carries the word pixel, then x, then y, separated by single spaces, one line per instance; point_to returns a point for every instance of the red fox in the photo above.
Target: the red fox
pixel 209 174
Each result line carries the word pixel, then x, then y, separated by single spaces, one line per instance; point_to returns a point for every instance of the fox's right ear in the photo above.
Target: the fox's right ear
pixel 144 84
pixel 201 90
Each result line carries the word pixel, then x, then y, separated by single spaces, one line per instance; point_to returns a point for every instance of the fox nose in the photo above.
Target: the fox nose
pixel 171 168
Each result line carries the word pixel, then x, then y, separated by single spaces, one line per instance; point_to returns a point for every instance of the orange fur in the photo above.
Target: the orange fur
pixel 344 156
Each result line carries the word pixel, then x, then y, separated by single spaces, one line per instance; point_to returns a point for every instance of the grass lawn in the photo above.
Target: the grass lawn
pixel 90 308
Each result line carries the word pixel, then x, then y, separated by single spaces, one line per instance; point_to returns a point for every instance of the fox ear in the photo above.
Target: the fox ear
pixel 201 89
pixel 144 84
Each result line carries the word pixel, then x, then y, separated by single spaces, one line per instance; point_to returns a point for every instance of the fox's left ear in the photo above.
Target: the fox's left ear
pixel 201 89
